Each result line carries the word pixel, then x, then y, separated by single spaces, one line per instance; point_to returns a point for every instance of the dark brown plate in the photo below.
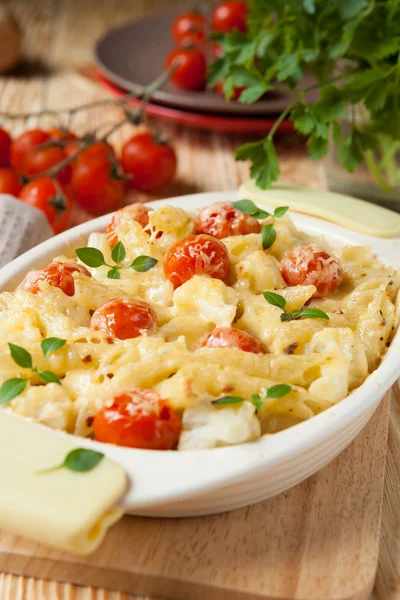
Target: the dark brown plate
pixel 133 55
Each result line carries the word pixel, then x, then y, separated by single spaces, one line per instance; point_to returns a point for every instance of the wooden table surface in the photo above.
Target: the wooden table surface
pixel 59 37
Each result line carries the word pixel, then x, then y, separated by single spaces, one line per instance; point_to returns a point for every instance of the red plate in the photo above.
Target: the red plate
pixel 205 122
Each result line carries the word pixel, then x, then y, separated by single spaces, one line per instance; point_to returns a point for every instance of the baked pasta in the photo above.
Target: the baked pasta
pixel 174 331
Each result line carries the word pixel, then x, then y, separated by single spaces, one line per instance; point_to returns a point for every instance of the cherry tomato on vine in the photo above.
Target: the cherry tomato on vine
pixel 309 265
pixel 94 185
pixel 43 194
pixel 133 212
pixel 24 144
pixel 191 68
pixel 151 163
pixel 188 23
pixel 139 418
pixel 5 148
pixel 221 220
pixel 196 255
pixel 229 337
pixel 59 134
pixel 125 318
pixel 59 275
pixel 28 158
pixel 9 182
pixel 229 16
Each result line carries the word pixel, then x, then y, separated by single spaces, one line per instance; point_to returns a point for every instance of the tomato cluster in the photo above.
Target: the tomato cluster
pixel 189 32
pixel 96 179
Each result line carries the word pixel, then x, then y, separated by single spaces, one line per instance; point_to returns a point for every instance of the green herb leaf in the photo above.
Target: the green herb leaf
pixel 114 273
pixel 280 211
pixel 254 93
pixel 228 400
pixel 21 356
pixel 80 460
pixel 268 236
pixel 286 316
pixel 143 263
pixel 317 147
pixel 92 257
pixel 265 166
pixel 256 400
pixel 118 253
pixel 48 377
pixel 278 391
pixel 50 345
pixel 275 299
pixel 312 313
pixel 12 388
pixel 249 208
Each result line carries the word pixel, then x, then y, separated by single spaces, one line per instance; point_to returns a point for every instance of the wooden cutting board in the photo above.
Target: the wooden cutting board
pixel 319 541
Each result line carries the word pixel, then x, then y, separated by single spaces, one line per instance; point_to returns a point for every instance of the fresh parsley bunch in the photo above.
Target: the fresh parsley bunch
pixel 352 47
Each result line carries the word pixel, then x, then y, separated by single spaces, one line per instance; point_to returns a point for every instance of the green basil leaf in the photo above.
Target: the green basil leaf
pixel 143 263
pixel 275 299
pixel 114 273
pixel 48 377
pixel 313 313
pixel 92 257
pixel 118 253
pixel 79 460
pixel 12 388
pixel 280 211
pixel 246 206
pixel 228 400
pixel 261 214
pixel 50 345
pixel 256 400
pixel 278 391
pixel 268 236
pixel 286 316
pixel 21 356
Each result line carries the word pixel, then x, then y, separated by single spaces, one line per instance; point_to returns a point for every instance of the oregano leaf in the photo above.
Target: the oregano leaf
pixel 268 236
pixel 279 390
pixel 12 388
pixel 20 356
pixel 50 345
pixel 79 460
pixel 92 257
pixel 143 263
pixel 118 253
pixel 275 299
pixel 48 377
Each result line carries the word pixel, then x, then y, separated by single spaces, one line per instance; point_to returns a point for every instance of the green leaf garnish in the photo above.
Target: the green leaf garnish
pixel 258 403
pixel 275 391
pixel 118 253
pixel 280 211
pixel 228 400
pixel 275 299
pixel 51 345
pixel 114 273
pixel 143 263
pixel 11 388
pixel 48 377
pixel 92 257
pixel 279 390
pixel 268 236
pixel 21 356
pixel 249 208
pixel 80 460
pixel 304 313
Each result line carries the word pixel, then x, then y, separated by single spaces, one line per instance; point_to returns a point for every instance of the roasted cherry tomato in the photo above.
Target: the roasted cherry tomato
pixel 229 16
pixel 188 23
pixel 133 212
pixel 5 148
pixel 94 185
pixel 125 318
pixel 309 265
pixel 44 195
pixel 191 68
pixel 219 88
pixel 221 220
pixel 138 419
pixel 29 158
pixel 196 255
pixel 9 182
pixel 59 275
pixel 152 164
pixel 229 337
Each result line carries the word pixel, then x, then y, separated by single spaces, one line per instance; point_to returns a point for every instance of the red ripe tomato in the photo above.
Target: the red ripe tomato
pixel 43 194
pixel 5 148
pixel 152 164
pixel 59 134
pixel 221 220
pixel 133 212
pixel 229 16
pixel 138 419
pixel 125 318
pixel 219 88
pixel 309 265
pixel 9 182
pixel 191 68
pixel 194 38
pixel 196 255
pixel 29 159
pixel 97 150
pixel 188 23
pixel 24 144
pixel 229 337
pixel 94 186
pixel 59 275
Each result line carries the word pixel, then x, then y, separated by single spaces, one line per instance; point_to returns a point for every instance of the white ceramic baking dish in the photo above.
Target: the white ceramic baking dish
pixel 178 484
